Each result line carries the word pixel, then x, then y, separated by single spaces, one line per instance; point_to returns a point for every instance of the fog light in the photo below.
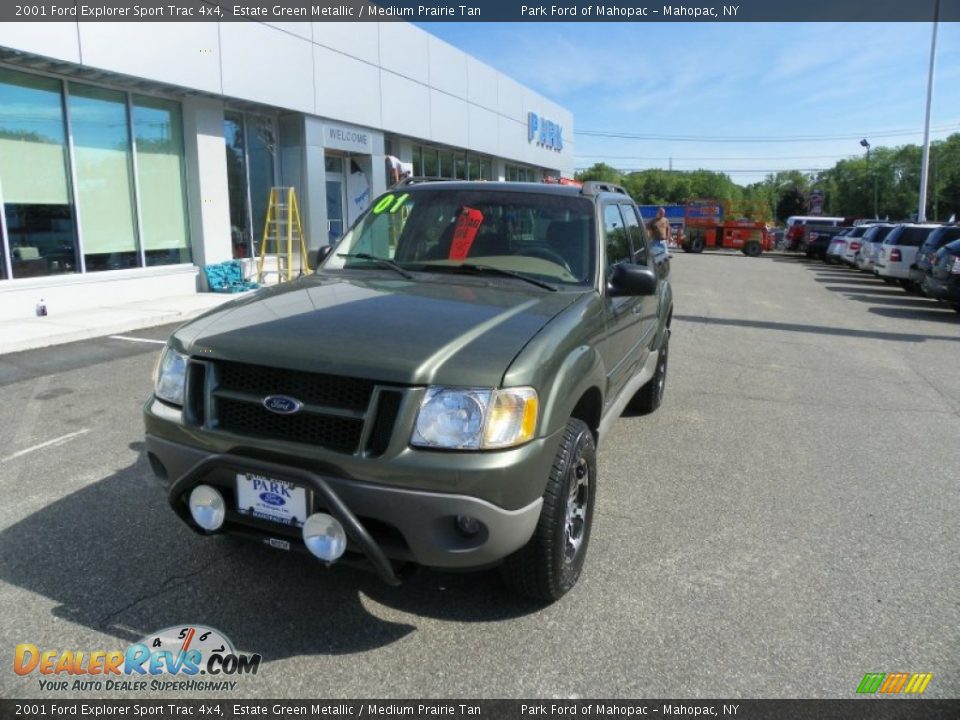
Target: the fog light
pixel 468 525
pixel 207 507
pixel 324 536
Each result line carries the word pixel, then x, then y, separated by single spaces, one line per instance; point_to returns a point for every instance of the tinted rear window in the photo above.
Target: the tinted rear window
pixel 877 233
pixel 940 237
pixel 914 236
pixel 907 236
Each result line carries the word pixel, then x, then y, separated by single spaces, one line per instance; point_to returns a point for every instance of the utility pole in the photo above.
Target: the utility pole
pixel 922 210
pixel 876 213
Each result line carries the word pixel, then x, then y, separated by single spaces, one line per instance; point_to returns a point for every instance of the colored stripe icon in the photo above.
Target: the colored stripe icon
pixel 894 683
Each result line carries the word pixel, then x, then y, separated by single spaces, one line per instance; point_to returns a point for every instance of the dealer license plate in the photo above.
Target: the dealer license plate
pixel 271 499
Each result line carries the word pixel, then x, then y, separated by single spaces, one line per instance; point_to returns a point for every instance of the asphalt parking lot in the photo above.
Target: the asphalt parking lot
pixel 787 522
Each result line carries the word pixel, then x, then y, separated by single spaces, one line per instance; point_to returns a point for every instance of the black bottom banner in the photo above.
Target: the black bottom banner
pixel 854 709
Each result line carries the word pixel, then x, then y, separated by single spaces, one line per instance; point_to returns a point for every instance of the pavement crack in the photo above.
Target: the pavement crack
pixel 165 586
pixel 939 392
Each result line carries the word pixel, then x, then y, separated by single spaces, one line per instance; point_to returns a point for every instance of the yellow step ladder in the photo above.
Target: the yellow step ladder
pixel 281 228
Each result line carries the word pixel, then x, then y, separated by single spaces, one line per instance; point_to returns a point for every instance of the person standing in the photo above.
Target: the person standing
pixel 660 228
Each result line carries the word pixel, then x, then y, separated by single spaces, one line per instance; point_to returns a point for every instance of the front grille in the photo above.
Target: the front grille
pixel 311 388
pixel 245 418
pixel 387 407
pixel 335 410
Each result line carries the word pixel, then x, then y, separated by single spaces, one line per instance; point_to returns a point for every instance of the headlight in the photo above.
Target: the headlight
pixel 475 418
pixel 171 376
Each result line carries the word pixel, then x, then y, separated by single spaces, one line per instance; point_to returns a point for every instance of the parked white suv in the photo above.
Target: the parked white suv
pixel 870 246
pixel 899 251
pixel 838 246
pixel 854 240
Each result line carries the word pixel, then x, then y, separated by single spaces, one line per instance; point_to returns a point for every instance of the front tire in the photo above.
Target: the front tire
pixel 650 396
pixel 752 249
pixel 549 565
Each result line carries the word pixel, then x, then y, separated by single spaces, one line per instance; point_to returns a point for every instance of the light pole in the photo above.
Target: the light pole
pixel 876 214
pixel 925 161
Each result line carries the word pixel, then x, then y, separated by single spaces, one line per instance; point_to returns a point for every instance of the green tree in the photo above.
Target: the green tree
pixel 944 196
pixel 793 201
pixel 602 172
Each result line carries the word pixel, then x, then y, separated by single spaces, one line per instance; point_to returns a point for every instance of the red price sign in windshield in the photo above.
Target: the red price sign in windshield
pixel 465 232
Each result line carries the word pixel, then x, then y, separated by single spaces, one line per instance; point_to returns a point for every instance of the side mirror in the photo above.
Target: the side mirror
pixel 318 255
pixel 629 280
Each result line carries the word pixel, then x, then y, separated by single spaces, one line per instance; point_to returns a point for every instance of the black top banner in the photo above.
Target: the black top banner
pixel 477 11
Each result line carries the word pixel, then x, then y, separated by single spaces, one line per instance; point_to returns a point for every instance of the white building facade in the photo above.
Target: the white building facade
pixel 131 154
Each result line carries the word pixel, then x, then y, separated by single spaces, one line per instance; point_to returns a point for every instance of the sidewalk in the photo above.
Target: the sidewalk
pixel 37 332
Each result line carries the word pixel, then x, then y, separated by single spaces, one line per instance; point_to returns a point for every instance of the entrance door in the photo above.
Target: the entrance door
pixel 336 197
pixel 335 193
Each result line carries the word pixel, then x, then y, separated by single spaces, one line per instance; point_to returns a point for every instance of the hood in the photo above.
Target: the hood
pixel 451 330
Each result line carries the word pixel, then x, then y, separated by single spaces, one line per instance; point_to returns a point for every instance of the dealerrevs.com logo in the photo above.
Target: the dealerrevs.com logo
pixel 184 657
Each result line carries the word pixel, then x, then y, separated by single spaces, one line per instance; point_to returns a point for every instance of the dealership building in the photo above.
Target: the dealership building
pixel 132 154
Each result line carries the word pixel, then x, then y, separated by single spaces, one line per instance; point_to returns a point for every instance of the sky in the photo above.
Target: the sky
pixel 832 83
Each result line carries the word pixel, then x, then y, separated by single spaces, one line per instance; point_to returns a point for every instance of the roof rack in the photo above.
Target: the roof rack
pixel 595 187
pixel 418 179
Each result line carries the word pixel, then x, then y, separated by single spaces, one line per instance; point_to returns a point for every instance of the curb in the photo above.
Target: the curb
pixel 87 333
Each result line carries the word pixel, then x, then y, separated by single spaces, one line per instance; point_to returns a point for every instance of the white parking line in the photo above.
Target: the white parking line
pixel 48 443
pixel 133 339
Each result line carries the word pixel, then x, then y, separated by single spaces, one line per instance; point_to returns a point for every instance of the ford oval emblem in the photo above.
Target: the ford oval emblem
pixel 272 499
pixel 282 404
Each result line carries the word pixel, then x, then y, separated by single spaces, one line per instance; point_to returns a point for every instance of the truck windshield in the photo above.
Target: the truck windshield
pixel 541 235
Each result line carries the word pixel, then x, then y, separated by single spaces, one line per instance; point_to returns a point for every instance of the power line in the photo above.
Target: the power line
pixel 755 138
pixel 690 158
pixel 724 172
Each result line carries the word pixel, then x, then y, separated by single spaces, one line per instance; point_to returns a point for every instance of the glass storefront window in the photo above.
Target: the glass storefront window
pixel 37 206
pixel 446 164
pixel 101 153
pixel 42 208
pixel 516 173
pixel 158 136
pixel 251 148
pixel 261 147
pixel 233 135
pixel 417 161
pixel 430 166
pixel 431 162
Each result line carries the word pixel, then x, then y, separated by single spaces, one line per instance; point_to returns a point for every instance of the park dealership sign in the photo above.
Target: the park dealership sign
pixel 545 133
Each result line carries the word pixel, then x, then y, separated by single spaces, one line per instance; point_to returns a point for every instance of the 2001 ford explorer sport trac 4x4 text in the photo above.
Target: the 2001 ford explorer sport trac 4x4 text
pixel 434 393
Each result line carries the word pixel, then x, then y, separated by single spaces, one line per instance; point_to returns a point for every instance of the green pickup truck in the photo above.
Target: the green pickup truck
pixel 433 394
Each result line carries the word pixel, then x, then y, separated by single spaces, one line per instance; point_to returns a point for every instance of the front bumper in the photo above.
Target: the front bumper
pixel 384 523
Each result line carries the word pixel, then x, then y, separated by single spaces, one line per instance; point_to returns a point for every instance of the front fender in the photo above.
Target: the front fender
pixel 562 362
pixel 580 371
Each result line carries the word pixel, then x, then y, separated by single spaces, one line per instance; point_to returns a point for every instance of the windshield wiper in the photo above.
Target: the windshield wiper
pixel 386 262
pixel 475 268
